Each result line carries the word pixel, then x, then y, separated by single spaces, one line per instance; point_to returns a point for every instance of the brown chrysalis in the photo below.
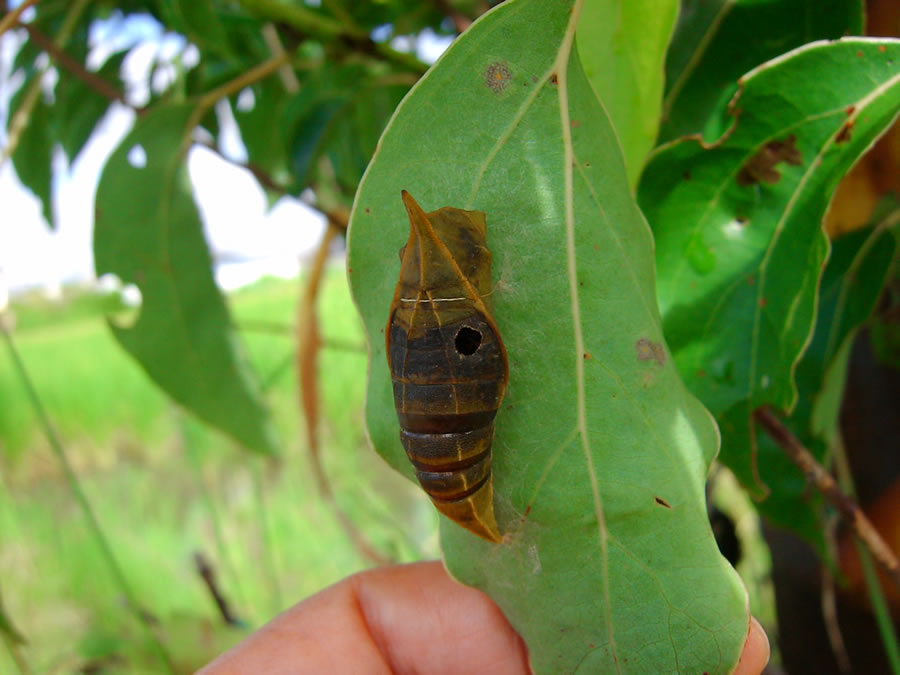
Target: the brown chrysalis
pixel 448 363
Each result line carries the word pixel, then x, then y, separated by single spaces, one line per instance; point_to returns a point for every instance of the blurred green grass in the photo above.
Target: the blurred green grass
pixel 164 487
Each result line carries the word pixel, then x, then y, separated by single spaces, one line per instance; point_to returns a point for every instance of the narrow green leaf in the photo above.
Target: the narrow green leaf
pixel 7 627
pixel 79 108
pixel 851 284
pixel 600 455
pixel 148 232
pixel 622 46
pixel 33 156
pixel 718 41
pixel 739 241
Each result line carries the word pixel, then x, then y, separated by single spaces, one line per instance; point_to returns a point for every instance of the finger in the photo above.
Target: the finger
pixel 756 651
pixel 398 619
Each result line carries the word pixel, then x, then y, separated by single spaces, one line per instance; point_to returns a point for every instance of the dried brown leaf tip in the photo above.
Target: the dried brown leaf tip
pixel 762 167
pixel 497 76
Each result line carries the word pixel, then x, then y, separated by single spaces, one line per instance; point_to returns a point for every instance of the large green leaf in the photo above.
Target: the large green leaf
pixel 739 241
pixel 717 41
pixel 148 232
pixel 600 456
pixel 622 45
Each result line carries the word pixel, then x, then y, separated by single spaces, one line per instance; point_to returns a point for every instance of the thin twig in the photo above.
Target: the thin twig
pixel 12 18
pixel 80 497
pixel 829 602
pixel 206 572
pixel 92 80
pixel 264 178
pixel 309 344
pixel 819 477
pixel 19 122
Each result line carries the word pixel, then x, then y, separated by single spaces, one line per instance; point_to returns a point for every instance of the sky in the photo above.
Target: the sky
pixel 239 228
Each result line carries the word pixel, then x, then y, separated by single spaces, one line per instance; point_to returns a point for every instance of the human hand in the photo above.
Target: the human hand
pixel 401 619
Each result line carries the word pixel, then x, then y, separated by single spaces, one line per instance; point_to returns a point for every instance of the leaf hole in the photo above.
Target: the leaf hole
pixel 137 156
pixel 468 340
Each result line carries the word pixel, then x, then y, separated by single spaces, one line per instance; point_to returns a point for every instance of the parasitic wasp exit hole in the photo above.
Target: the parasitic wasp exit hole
pixel 467 341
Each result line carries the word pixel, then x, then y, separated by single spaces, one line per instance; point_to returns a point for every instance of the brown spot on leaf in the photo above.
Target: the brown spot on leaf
pixel 527 510
pixel 587 165
pixel 554 79
pixel 662 502
pixel 761 168
pixel 647 350
pixel 497 76
pixel 850 109
pixel 368 210
pixel 844 134
pixel 587 355
pixel 859 54
pixel 575 124
pixel 763 302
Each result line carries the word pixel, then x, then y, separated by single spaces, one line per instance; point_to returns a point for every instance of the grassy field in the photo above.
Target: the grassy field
pixel 165 487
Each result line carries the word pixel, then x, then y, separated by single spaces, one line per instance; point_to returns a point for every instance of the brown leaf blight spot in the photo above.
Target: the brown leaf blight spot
pixel 762 167
pixel 844 134
pixel 662 502
pixel 647 350
pixel 497 76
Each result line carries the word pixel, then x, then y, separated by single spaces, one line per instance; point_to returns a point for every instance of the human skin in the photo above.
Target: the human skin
pixel 401 619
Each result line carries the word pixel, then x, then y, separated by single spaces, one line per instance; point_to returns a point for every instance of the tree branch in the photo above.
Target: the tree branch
pixel 823 480
pixel 92 80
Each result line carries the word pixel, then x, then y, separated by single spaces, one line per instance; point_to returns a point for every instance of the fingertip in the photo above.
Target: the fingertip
pixel 756 651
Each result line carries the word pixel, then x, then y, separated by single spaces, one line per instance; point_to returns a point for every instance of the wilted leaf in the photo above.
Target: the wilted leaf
pixel 622 46
pixel 738 231
pixel 718 41
pixel 148 232
pixel 600 454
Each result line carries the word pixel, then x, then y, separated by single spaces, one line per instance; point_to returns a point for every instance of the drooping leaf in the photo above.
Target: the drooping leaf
pixel 148 232
pixel 33 155
pixel 737 224
pixel 81 107
pixel 717 42
pixel 608 563
pixel 851 284
pixel 622 46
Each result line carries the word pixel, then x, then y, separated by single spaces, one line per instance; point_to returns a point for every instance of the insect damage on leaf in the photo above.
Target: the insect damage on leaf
pixel 448 363
pixel 761 168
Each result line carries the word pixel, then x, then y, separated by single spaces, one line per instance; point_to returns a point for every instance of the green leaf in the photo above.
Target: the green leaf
pixel 717 42
pixel 851 284
pixel 33 156
pixel 148 232
pixel 260 131
pixel 80 108
pixel 7 628
pixel 622 46
pixel 600 455
pixel 739 241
